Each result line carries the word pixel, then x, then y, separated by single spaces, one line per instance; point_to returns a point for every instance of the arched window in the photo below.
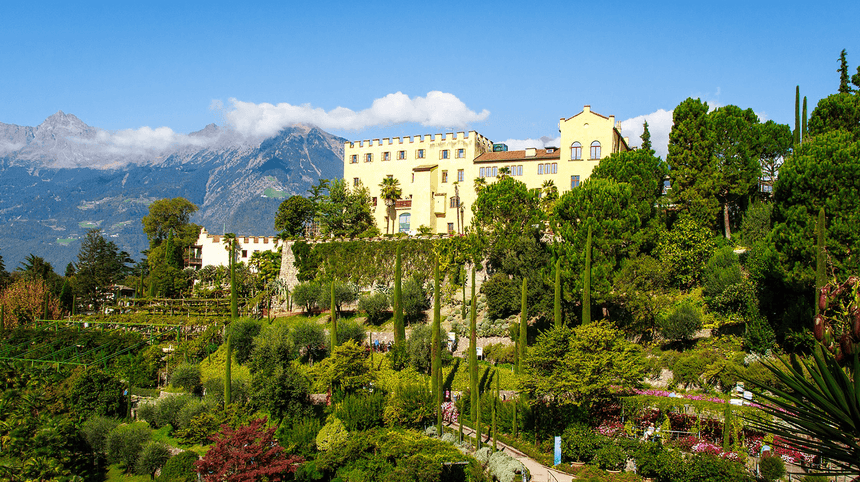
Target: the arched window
pixel 404 222
pixel 576 151
pixel 595 150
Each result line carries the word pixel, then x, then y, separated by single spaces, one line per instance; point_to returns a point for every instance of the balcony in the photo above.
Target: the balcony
pixel 403 204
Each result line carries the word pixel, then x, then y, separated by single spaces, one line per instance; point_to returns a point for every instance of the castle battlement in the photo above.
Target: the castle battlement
pixel 399 141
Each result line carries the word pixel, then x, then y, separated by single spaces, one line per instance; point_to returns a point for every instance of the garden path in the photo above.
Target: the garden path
pixel 540 473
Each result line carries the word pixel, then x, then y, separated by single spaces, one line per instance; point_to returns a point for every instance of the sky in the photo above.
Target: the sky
pixel 154 71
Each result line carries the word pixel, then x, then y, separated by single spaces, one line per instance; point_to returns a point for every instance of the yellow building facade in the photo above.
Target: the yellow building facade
pixel 437 172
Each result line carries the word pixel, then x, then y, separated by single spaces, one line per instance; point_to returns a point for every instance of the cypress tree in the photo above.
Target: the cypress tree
pixel 586 282
pixel 557 302
pixel 333 317
pixel 436 349
pixel 495 402
pixel 797 115
pixel 228 374
pixel 844 88
pixel 234 296
pixel 473 355
pixel 803 120
pixel 820 263
pixel 521 348
pixel 646 138
pixel 399 328
pixel 2 317
pixel 478 422
pixel 464 294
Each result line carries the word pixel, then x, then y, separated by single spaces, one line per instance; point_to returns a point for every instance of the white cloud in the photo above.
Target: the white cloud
pixel 437 109
pixel 6 146
pixel 659 125
pixel 543 142
pixel 144 139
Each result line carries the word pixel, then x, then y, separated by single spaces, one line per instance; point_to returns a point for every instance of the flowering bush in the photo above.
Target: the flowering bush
pixel 611 429
pixel 449 412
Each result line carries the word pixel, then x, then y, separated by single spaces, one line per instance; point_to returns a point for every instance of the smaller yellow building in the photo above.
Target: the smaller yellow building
pixel 437 172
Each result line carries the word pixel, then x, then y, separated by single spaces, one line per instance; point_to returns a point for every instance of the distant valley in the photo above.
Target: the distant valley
pixel 63 177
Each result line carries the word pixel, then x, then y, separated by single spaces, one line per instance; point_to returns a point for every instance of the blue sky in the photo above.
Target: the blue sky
pixel 509 70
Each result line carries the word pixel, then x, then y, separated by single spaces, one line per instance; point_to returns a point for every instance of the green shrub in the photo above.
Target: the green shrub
pixel 180 468
pixel 95 392
pixel 739 298
pixel 759 336
pixel 187 377
pixel 332 434
pixel 306 295
pixel 375 306
pixel 95 431
pixel 240 391
pixel 688 369
pixel 168 410
pixel 682 322
pixel 283 391
pixel 503 296
pixel 410 406
pixel 579 443
pixel 299 436
pixel 500 353
pixel 609 457
pixel 361 411
pixel 243 332
pixel 125 443
pixel 815 478
pixel 772 468
pixel 273 347
pixel 505 468
pixel 418 347
pixel 756 225
pixel 190 410
pixel 199 429
pixel 712 468
pixel 344 293
pixel 653 461
pixel 309 340
pixel 151 458
pixel 350 330
pixel 721 271
pixel 415 300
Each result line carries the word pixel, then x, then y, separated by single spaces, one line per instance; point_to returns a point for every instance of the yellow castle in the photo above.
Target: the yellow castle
pixel 437 172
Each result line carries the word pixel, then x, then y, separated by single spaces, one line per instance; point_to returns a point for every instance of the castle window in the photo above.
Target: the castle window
pixel 460 175
pixel 455 202
pixel 461 153
pixel 353 159
pixel 420 154
pixel 401 155
pixel 555 168
pixel 575 151
pixel 540 169
pixel 444 176
pixel 595 150
pixel 495 171
pixel 574 182
pixel 368 157
pixel 404 222
pixel 450 228
pixel 444 154
pixel 355 182
pixel 386 156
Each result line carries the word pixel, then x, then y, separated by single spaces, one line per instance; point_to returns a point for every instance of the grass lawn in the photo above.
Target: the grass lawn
pixel 65 241
pixel 115 474
pixel 87 225
pixel 161 435
pixel 271 192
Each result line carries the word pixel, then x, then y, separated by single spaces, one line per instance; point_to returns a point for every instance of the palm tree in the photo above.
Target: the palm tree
pixel 480 184
pixel 390 193
pixel 549 195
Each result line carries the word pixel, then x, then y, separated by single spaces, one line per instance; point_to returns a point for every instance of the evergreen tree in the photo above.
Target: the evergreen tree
pixel 586 282
pixel 844 88
pixel 557 301
pixel 436 349
pixel 399 326
pixel 797 115
pixel 646 138
pixel 803 128
pixel 473 354
pixel 333 317
pixel 524 313
pixel 690 157
pixel 820 268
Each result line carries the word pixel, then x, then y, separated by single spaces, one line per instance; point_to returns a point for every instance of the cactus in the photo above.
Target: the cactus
pixel 586 282
pixel 436 349
pixel 333 316
pixel 557 301
pixel 399 328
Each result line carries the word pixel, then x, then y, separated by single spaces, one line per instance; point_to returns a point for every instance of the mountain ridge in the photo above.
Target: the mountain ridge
pixel 63 177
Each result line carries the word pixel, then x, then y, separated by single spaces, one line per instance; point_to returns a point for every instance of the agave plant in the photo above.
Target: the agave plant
pixel 819 412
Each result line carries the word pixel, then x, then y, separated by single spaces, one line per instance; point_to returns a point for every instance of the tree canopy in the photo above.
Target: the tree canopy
pixel 345 211
pixel 294 216
pixel 166 215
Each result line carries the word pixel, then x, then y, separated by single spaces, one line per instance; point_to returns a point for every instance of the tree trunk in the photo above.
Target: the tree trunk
pixel 726 221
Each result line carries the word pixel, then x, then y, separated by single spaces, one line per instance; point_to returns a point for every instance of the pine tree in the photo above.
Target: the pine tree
pixel 844 88
pixel 436 349
pixel 228 374
pixel 586 282
pixel 797 115
pixel 646 138
pixel 557 301
pixel 524 310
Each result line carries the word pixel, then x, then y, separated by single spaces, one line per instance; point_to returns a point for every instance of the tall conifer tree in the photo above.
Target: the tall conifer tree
pixel 646 138
pixel 797 115
pixel 473 354
pixel 524 310
pixel 399 327
pixel 556 308
pixel 803 120
pixel 844 88
pixel 586 282
pixel 436 348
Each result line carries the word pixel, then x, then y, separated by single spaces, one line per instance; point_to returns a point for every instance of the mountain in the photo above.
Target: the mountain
pixel 63 177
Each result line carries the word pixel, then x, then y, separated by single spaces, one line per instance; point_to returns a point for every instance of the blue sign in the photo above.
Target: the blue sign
pixel 557 452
